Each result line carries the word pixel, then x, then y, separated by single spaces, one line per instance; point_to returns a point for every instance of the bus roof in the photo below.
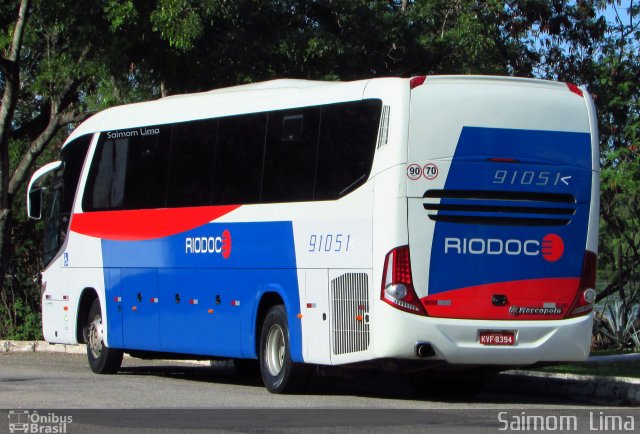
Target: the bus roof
pixel 256 97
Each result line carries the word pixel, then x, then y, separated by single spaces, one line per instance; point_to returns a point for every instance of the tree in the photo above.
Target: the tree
pixel 52 74
pixel 619 100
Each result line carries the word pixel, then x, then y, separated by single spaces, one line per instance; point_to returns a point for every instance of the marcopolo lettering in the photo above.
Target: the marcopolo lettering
pixel 524 310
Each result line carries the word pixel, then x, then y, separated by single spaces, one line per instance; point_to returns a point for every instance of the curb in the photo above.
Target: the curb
pixel 81 349
pixel 587 388
pixel 624 358
pixel 40 347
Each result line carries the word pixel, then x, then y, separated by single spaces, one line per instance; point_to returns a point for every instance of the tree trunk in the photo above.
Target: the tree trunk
pixel 10 64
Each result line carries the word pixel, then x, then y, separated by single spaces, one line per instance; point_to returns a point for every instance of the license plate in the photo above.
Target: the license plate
pixel 497 338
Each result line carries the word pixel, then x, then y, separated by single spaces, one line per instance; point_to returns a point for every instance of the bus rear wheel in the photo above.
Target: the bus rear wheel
pixel 279 373
pixel 102 359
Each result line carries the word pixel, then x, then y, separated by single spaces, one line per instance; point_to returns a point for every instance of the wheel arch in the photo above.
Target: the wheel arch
pixel 271 297
pixel 87 296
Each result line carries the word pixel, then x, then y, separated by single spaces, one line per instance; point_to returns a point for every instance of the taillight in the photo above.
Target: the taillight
pixel 583 303
pixel 417 81
pixel 397 284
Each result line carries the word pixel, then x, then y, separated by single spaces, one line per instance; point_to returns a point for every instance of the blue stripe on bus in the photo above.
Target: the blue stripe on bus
pixel 567 154
pixel 180 294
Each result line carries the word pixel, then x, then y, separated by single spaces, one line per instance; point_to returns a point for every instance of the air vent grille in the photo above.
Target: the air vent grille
pixel 350 313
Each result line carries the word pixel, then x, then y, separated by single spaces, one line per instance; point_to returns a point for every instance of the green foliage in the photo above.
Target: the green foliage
pixel 180 21
pixel 618 99
pixel 120 13
pixel 20 316
pixel 20 321
pixel 618 326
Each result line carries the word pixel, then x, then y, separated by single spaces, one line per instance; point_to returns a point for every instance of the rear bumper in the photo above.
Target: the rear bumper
pixel 456 341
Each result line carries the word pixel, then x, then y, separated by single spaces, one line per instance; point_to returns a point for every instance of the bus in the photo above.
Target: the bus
pixel 434 224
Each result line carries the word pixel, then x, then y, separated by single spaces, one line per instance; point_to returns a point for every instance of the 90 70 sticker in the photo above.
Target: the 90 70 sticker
pixel 430 171
pixel 414 171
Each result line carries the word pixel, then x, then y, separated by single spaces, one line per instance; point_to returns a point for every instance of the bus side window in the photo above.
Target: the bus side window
pixel 191 172
pixel 73 156
pixel 148 169
pixel 105 184
pixel 237 170
pixel 347 145
pixel 53 232
pixel 290 156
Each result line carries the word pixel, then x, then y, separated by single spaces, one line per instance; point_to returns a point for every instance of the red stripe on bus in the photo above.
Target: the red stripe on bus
pixel 145 224
pixel 475 302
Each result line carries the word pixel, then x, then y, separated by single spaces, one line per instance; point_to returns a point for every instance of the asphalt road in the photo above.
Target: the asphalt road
pixel 152 396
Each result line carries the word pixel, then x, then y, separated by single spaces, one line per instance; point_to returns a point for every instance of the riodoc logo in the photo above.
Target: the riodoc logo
pixel 219 245
pixel 551 247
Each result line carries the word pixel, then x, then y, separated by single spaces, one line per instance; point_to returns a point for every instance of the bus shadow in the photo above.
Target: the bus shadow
pixel 400 387
pixel 221 374
pixel 368 384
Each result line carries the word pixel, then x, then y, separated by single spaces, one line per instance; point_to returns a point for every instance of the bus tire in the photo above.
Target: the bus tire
pixel 102 359
pixel 279 373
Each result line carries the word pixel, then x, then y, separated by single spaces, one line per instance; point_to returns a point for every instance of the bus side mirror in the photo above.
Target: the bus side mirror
pixel 34 191
pixel 34 207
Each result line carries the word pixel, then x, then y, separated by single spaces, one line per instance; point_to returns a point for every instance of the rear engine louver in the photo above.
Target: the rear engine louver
pixel 505 208
pixel 350 313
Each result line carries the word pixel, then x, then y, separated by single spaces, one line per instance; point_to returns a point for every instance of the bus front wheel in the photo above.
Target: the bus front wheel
pixel 102 359
pixel 279 373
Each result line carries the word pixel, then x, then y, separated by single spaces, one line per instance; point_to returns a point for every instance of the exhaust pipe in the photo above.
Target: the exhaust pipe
pixel 425 349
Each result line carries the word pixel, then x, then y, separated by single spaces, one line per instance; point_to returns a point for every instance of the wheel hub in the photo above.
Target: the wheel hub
pixel 95 337
pixel 275 350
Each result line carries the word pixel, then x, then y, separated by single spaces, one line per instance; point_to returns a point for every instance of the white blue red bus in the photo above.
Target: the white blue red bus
pixel 436 222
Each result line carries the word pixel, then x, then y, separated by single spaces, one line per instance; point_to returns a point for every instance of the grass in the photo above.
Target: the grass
pixel 607 370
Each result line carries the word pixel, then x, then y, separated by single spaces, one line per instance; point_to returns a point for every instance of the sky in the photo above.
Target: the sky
pixel 622 9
